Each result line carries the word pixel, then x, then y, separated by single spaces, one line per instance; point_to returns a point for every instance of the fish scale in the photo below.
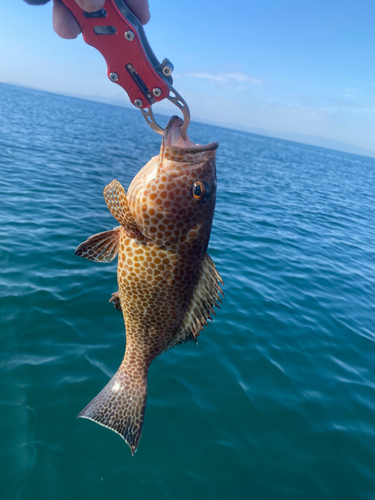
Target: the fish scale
pixel 167 283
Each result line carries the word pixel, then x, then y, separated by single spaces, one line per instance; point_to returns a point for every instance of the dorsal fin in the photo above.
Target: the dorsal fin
pixel 115 198
pixel 205 297
pixel 102 247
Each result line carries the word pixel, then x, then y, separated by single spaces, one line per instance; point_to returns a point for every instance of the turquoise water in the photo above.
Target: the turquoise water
pixel 277 400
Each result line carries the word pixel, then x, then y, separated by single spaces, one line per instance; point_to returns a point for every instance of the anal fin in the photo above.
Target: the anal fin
pixel 115 298
pixel 102 247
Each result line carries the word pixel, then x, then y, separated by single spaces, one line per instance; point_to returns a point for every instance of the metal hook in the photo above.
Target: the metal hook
pixel 178 101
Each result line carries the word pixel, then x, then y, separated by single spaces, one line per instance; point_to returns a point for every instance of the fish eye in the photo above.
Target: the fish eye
pixel 200 191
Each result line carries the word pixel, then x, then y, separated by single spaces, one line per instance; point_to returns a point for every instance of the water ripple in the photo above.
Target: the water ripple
pixel 276 400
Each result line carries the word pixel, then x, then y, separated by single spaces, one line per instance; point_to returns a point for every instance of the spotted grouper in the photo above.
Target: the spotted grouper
pixel 168 284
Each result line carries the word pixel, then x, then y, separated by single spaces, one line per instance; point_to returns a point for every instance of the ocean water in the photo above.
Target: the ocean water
pixel 277 401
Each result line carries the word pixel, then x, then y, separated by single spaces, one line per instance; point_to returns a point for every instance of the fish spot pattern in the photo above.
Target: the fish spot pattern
pixel 168 285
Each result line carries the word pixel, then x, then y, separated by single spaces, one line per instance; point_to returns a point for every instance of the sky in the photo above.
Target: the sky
pixel 296 69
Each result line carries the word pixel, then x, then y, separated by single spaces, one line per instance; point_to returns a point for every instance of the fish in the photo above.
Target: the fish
pixel 168 285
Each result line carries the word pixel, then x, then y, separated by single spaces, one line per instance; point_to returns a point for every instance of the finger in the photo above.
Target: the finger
pixel 90 5
pixel 64 22
pixel 140 9
pixel 36 2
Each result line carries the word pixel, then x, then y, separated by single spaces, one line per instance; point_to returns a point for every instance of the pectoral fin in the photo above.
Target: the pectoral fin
pixel 115 198
pixel 102 247
pixel 205 297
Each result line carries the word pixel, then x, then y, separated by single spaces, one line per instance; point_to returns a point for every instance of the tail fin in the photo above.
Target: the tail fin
pixel 120 406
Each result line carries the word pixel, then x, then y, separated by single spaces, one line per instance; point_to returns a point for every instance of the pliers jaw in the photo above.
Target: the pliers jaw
pixel 176 99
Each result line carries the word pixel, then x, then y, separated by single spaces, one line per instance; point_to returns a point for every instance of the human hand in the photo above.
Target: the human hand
pixel 66 26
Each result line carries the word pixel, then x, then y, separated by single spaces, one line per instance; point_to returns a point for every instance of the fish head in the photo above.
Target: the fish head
pixel 173 197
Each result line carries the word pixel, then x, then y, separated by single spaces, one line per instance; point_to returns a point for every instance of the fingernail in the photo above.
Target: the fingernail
pixel 90 5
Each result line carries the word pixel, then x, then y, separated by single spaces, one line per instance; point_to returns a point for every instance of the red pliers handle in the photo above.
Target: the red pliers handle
pixel 119 36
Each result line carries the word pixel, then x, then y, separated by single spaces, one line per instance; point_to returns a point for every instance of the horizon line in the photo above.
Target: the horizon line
pixel 236 127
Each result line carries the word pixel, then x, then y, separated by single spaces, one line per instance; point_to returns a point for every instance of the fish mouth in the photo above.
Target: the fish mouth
pixel 173 137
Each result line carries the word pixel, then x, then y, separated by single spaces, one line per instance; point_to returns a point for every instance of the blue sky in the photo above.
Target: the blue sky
pixel 296 69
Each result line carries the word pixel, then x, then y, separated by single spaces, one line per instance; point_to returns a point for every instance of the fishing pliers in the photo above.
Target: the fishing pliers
pixel 119 36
